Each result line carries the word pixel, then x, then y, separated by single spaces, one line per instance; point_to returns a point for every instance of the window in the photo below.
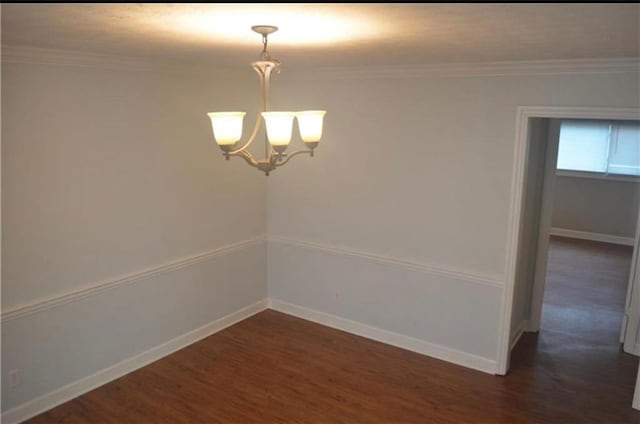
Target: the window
pixel 599 146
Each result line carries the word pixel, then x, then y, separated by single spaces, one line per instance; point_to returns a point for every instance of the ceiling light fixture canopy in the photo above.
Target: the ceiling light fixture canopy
pixel 227 126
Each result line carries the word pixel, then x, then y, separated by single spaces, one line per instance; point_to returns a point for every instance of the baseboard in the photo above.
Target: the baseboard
pixel 585 235
pixel 395 339
pixel 522 328
pixel 636 394
pixel 79 387
pixel 530 327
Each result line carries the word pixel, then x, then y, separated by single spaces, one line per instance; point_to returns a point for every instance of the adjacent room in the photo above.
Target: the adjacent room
pixel 576 264
pixel 320 213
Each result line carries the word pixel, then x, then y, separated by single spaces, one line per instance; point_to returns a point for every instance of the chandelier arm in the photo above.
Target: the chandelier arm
pixel 291 155
pixel 265 85
pixel 252 137
pixel 246 155
pixel 264 74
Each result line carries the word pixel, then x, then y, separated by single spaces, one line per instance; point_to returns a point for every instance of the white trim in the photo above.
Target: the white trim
pixel 520 330
pixel 520 153
pixel 545 221
pixel 636 394
pixel 622 113
pixel 57 57
pixel 631 343
pixel 530 328
pixel 63 394
pixel 598 176
pixel 462 70
pixel 394 339
pixel 490 280
pixel 45 56
pixel 523 114
pixel 586 235
pixel 93 289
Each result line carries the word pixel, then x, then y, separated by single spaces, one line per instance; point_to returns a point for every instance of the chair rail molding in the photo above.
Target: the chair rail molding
pixel 490 280
pixel 95 288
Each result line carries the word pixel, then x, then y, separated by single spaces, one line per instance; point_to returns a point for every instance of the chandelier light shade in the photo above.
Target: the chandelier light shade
pixel 279 127
pixel 310 124
pixel 227 126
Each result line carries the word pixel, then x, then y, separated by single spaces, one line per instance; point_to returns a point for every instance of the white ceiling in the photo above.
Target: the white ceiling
pixel 330 34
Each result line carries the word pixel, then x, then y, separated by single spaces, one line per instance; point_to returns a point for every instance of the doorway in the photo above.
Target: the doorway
pixel 530 241
pixel 582 183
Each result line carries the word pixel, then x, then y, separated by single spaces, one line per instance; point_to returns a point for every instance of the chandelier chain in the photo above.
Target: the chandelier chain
pixel 265 55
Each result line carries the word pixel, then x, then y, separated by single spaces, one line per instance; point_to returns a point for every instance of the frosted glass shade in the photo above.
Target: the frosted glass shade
pixel 310 124
pixel 227 127
pixel 279 125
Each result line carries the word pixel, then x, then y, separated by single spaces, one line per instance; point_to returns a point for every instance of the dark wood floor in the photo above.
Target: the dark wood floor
pixel 586 288
pixel 274 368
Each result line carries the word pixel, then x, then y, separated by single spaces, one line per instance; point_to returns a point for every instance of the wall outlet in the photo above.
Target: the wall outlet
pixel 15 379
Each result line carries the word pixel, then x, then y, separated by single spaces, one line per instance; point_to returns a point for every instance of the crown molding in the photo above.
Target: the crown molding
pixel 43 56
pixel 465 70
pixel 56 57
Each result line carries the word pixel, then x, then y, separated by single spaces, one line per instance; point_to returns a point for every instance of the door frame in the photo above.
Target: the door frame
pixel 520 158
pixel 544 228
pixel 632 303
pixel 636 394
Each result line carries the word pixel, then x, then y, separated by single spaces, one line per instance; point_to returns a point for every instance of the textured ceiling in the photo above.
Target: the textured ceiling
pixel 330 34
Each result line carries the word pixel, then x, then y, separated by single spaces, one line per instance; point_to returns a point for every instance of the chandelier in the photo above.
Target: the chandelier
pixel 227 126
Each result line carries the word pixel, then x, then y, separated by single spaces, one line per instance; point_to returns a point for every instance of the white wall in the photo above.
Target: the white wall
pixel 596 205
pixel 123 226
pixel 417 170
